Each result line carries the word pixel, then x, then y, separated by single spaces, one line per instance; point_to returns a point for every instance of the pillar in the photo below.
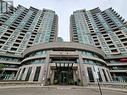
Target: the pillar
pixel 52 76
pixel 32 73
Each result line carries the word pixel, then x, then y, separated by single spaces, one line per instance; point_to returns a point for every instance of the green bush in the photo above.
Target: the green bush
pixel 1 66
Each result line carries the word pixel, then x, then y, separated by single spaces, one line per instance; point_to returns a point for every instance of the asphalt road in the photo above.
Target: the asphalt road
pixel 57 91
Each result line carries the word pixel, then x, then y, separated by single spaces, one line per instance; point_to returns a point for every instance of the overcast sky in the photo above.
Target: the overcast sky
pixel 64 8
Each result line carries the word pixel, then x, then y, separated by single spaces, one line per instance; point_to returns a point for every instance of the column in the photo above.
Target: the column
pixel 46 69
pixel 102 75
pixel 17 74
pixel 52 76
pixel 32 73
pixel 87 76
pixel 110 75
pixel 94 74
pixel 40 79
pixel 107 75
pixel 82 71
pixel 74 75
pixel 20 73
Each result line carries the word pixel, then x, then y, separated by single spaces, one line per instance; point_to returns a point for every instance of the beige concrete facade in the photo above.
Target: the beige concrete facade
pixel 63 55
pixel 70 45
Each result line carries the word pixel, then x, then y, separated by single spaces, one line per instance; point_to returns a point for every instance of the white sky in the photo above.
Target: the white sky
pixel 64 8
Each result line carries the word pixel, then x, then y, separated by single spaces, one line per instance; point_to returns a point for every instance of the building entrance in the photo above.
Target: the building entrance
pixel 64 76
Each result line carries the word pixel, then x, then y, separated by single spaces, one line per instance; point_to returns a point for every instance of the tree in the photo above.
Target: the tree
pixel 1 66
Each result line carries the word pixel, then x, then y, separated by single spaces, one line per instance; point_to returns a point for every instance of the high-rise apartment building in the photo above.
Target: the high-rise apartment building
pixel 26 27
pixel 105 30
pixel 23 28
pixel 31 51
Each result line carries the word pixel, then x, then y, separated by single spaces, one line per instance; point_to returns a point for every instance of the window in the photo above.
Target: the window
pixel 36 76
pixel 28 73
pixel 100 78
pixel 90 74
pixel 109 75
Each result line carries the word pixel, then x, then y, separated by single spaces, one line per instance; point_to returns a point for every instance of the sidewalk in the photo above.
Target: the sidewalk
pixel 107 88
pixel 64 87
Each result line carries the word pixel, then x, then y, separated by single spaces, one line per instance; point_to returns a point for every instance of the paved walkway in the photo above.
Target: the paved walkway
pixel 58 90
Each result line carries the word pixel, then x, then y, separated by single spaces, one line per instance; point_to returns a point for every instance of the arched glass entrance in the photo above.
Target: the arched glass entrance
pixel 63 70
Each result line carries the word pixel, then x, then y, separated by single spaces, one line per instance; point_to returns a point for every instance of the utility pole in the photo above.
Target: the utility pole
pixel 99 86
pixel 96 70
